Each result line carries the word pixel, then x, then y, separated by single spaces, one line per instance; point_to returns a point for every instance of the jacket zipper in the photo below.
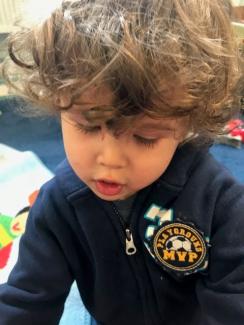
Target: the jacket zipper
pixel 130 247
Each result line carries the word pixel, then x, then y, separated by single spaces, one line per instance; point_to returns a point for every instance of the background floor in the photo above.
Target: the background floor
pixel 43 137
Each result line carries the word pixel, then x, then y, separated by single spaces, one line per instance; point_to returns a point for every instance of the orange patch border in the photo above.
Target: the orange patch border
pixel 195 232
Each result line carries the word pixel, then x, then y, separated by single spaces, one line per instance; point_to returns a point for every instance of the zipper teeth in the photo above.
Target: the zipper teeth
pixel 118 214
pixel 122 221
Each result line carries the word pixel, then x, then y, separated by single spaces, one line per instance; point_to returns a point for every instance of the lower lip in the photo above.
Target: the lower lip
pixel 110 189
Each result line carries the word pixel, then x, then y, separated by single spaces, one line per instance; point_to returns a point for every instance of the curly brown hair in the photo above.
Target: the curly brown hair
pixel 161 58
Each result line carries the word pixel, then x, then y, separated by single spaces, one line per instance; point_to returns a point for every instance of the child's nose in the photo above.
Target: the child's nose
pixel 111 153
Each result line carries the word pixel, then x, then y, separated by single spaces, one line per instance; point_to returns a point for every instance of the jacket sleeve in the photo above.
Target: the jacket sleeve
pixel 221 292
pixel 40 281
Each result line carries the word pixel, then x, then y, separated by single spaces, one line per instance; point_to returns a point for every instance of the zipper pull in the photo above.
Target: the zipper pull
pixel 129 243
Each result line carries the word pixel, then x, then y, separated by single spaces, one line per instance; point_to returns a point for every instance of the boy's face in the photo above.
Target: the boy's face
pixel 115 168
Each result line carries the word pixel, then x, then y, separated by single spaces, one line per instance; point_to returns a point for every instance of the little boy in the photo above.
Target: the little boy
pixel 140 214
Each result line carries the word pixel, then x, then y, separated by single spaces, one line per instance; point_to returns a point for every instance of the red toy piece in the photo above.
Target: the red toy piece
pixel 234 134
pixel 236 129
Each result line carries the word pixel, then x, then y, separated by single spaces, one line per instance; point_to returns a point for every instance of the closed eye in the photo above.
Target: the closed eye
pixel 88 129
pixel 145 141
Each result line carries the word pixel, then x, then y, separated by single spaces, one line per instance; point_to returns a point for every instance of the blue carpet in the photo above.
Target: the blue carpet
pixel 232 158
pixel 40 135
pixel 43 136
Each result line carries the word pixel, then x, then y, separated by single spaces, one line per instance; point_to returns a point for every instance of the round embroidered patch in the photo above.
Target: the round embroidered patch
pixel 179 247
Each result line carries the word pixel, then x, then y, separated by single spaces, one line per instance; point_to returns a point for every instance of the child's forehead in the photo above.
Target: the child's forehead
pixel 100 102
pixel 140 122
pixel 147 123
pixel 95 96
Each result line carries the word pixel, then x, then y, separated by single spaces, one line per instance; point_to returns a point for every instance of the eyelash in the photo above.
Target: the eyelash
pixel 87 129
pixel 149 143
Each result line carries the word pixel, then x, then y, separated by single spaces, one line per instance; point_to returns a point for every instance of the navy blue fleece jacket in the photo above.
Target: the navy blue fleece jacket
pixel 188 268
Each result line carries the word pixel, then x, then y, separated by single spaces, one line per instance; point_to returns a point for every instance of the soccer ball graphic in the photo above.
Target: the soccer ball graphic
pixel 179 243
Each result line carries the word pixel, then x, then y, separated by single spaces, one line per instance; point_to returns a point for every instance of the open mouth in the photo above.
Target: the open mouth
pixel 108 188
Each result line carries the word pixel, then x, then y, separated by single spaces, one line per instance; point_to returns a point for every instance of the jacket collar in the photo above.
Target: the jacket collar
pixel 185 160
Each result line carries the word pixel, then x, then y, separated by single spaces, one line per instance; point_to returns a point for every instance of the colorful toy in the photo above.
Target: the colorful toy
pixel 236 128
pixel 11 228
pixel 234 134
